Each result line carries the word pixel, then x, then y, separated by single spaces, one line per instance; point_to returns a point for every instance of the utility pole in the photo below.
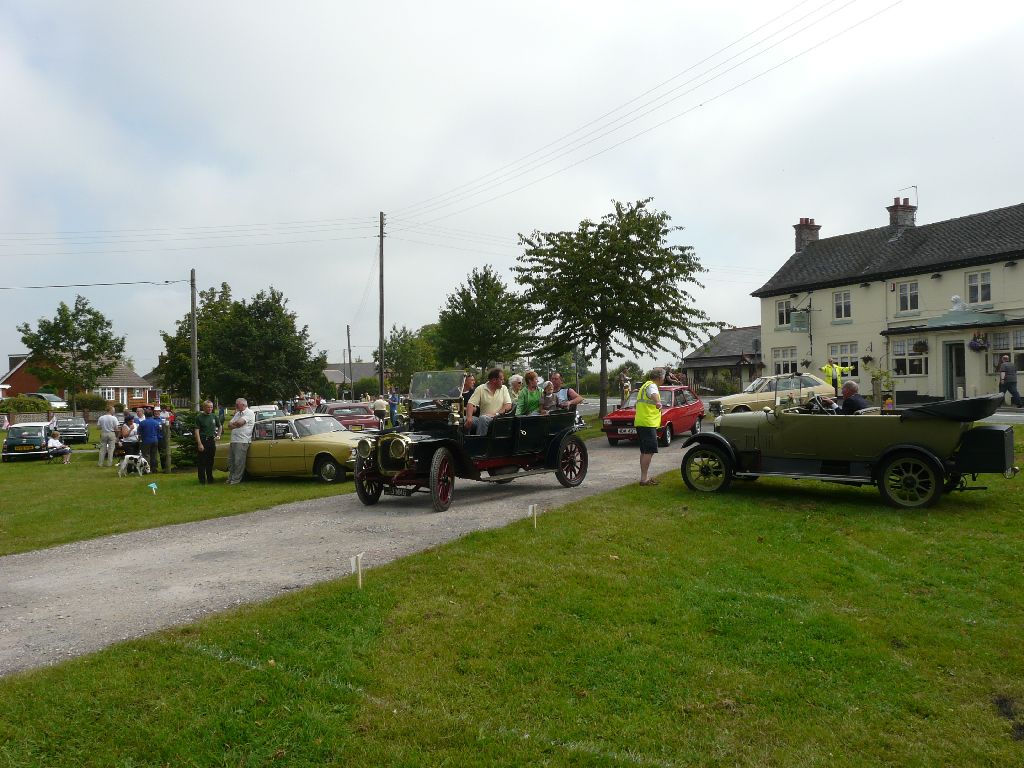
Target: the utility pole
pixel 195 347
pixel 351 383
pixel 380 347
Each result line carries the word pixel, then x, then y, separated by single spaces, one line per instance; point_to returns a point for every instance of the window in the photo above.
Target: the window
pixel 908 296
pixel 979 287
pixel 910 357
pixel 841 305
pixel 845 354
pixel 137 393
pixel 1006 343
pixel 107 393
pixel 784 359
pixel 782 311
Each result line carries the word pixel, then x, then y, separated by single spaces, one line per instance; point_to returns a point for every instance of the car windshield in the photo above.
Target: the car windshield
pixel 666 398
pixel 65 423
pixel 23 432
pixel 756 384
pixel 430 384
pixel 317 425
pixel 351 410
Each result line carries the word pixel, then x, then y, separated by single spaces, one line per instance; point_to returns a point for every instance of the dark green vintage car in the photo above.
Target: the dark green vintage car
pixel 435 448
pixel 912 455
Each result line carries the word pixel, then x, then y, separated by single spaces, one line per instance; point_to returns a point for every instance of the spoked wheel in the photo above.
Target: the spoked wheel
pixel 909 480
pixel 368 490
pixel 573 461
pixel 442 479
pixel 329 471
pixel 706 468
pixel 666 437
pixel 698 425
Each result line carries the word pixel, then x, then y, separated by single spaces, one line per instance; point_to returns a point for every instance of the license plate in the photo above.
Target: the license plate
pixel 355 428
pixel 390 490
pixel 24 447
pixel 627 430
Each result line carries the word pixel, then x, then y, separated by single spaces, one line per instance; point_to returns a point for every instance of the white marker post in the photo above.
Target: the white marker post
pixel 357 568
pixel 532 512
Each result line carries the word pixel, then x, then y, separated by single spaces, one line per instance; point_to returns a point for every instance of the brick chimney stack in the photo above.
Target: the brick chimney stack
pixel 902 215
pixel 806 232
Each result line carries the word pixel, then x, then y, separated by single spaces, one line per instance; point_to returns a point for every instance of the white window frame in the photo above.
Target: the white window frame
pixel 907 363
pixel 979 287
pixel 783 310
pixel 842 305
pixel 845 353
pixel 784 360
pixel 908 296
pixel 108 393
pixel 1008 342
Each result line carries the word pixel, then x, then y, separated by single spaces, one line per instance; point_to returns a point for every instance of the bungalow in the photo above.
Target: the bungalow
pixel 123 385
pixel 734 354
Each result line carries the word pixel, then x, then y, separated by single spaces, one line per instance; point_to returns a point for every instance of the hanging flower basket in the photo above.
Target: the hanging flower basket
pixel 979 343
pixel 867 359
pixel 920 347
pixel 805 363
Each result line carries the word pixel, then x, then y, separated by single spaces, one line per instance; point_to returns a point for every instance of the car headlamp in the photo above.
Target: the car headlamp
pixel 364 448
pixel 398 449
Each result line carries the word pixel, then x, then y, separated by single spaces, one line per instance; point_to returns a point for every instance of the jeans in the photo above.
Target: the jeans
pixel 204 459
pixel 108 441
pixel 236 462
pixel 1011 387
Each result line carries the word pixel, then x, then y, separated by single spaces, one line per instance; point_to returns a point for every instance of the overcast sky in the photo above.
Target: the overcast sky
pixel 257 141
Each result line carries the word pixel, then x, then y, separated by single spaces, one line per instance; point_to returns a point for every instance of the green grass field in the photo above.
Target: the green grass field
pixel 778 624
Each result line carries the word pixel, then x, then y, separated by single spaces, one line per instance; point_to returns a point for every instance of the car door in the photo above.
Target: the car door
pixel 287 455
pixel 257 461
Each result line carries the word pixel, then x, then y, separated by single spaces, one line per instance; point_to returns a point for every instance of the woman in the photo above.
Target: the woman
pixel 515 386
pixel 129 435
pixel 56 448
pixel 528 402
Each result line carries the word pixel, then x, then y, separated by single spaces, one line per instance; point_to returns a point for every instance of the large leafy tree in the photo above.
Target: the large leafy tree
pixel 613 286
pixel 483 322
pixel 406 352
pixel 74 349
pixel 253 349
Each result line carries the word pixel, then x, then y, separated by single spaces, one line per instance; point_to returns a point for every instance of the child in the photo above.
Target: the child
pixel 56 448
pixel 549 401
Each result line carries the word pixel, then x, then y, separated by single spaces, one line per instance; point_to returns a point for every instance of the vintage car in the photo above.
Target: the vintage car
pixel 73 429
pixel 310 445
pixel 262 412
pixel 681 411
pixel 435 447
pixel 912 455
pixel 761 392
pixel 355 416
pixel 26 441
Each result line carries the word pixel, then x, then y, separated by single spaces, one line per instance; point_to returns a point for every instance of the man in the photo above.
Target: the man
pixel 1008 380
pixel 647 420
pixel 853 401
pixel 380 407
pixel 489 400
pixel 150 432
pixel 834 374
pixel 241 435
pixel 567 396
pixel 206 433
pixel 393 402
pixel 468 388
pixel 108 436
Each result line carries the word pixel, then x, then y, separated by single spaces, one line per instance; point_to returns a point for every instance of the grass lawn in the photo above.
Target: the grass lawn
pixel 49 504
pixel 781 623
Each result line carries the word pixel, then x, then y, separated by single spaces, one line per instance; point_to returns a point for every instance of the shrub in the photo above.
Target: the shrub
pixel 89 401
pixel 22 404
pixel 723 384
pixel 184 451
pixel 366 384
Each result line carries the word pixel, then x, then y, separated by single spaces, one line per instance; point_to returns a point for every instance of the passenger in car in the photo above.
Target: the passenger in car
pixel 548 401
pixel 489 400
pixel 567 396
pixel 515 386
pixel 528 402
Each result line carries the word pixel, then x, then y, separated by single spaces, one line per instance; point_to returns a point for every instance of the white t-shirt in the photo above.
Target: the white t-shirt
pixel 53 442
pixel 107 423
pixel 243 434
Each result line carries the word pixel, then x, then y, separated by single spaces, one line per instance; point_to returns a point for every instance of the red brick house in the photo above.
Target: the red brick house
pixel 123 385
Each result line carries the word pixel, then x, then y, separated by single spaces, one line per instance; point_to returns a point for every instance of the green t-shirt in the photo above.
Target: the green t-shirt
pixel 207 425
pixel 528 402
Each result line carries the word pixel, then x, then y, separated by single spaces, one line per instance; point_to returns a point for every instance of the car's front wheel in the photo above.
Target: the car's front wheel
pixel 697 426
pixel 368 490
pixel 327 470
pixel 666 436
pixel 612 441
pixel 442 479
pixel 908 480
pixel 706 468
pixel 573 461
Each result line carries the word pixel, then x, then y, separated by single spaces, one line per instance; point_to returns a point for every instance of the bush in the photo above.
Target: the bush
pixel 723 384
pixel 183 452
pixel 22 404
pixel 366 384
pixel 89 401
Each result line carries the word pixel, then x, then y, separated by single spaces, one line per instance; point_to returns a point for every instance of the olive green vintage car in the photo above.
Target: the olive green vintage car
pixel 313 445
pixel 912 455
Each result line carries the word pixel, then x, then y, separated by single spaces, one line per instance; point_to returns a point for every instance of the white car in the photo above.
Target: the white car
pixel 53 402
pixel 266 412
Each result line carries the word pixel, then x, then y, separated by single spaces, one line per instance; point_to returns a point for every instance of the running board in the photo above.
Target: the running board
pixel 843 479
pixel 516 476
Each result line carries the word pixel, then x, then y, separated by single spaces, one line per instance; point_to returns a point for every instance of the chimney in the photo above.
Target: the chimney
pixel 901 214
pixel 806 232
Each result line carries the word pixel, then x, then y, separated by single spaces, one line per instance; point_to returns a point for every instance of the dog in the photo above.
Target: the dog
pixel 133 463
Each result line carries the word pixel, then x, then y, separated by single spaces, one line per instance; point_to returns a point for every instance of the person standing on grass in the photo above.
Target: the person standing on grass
pixel 647 420
pixel 241 435
pixel 150 431
pixel 108 437
pixel 207 432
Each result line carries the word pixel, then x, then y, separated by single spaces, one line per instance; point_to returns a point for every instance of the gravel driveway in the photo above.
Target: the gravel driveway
pixel 73 599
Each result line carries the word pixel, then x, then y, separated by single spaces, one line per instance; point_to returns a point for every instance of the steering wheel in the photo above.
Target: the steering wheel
pixel 816 404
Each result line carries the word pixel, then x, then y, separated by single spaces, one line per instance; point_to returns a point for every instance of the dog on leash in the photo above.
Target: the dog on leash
pixel 133 463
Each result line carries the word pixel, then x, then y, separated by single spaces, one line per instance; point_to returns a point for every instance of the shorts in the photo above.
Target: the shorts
pixel 648 437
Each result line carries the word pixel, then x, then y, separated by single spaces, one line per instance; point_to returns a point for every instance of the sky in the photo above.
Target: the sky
pixel 257 142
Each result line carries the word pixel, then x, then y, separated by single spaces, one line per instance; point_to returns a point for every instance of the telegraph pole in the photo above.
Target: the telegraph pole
pixel 351 383
pixel 195 348
pixel 380 347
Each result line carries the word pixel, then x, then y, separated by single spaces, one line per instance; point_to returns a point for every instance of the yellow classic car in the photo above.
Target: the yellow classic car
pixel 311 445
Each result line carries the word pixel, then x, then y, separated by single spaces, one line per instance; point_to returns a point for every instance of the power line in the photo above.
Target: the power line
pixel 450 247
pixel 89 285
pixel 298 222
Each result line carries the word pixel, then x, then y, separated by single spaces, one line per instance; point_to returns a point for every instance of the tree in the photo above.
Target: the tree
pixel 483 322
pixel 252 349
pixel 613 286
pixel 74 349
pixel 405 352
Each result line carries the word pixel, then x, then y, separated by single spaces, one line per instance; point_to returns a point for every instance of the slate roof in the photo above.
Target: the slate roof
pixel 123 376
pixel 359 371
pixel 888 252
pixel 731 343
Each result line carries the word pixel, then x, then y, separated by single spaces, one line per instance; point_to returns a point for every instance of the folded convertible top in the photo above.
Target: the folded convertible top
pixel 971 409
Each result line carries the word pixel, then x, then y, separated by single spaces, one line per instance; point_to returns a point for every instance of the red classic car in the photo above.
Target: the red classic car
pixel 681 411
pixel 355 416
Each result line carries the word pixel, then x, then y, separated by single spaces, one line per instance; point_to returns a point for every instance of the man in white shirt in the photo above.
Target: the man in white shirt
pixel 489 400
pixel 108 437
pixel 241 435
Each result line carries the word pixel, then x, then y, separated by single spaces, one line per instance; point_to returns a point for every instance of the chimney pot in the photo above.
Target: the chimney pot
pixel 906 201
pixel 895 201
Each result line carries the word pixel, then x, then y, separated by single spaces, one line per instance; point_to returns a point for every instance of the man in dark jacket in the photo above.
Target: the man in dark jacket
pixel 853 400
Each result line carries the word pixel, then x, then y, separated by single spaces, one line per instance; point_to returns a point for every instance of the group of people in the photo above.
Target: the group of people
pixel 524 395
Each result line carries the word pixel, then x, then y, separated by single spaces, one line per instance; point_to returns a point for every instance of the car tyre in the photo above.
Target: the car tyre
pixel 327 470
pixel 612 442
pixel 698 425
pixel 666 436
pixel 908 480
pixel 573 461
pixel 706 469
pixel 367 490
pixel 442 479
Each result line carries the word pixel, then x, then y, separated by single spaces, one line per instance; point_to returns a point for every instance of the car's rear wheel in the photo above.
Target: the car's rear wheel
pixel 368 490
pixel 442 479
pixel 697 426
pixel 573 461
pixel 909 480
pixel 706 468
pixel 327 470
pixel 666 436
